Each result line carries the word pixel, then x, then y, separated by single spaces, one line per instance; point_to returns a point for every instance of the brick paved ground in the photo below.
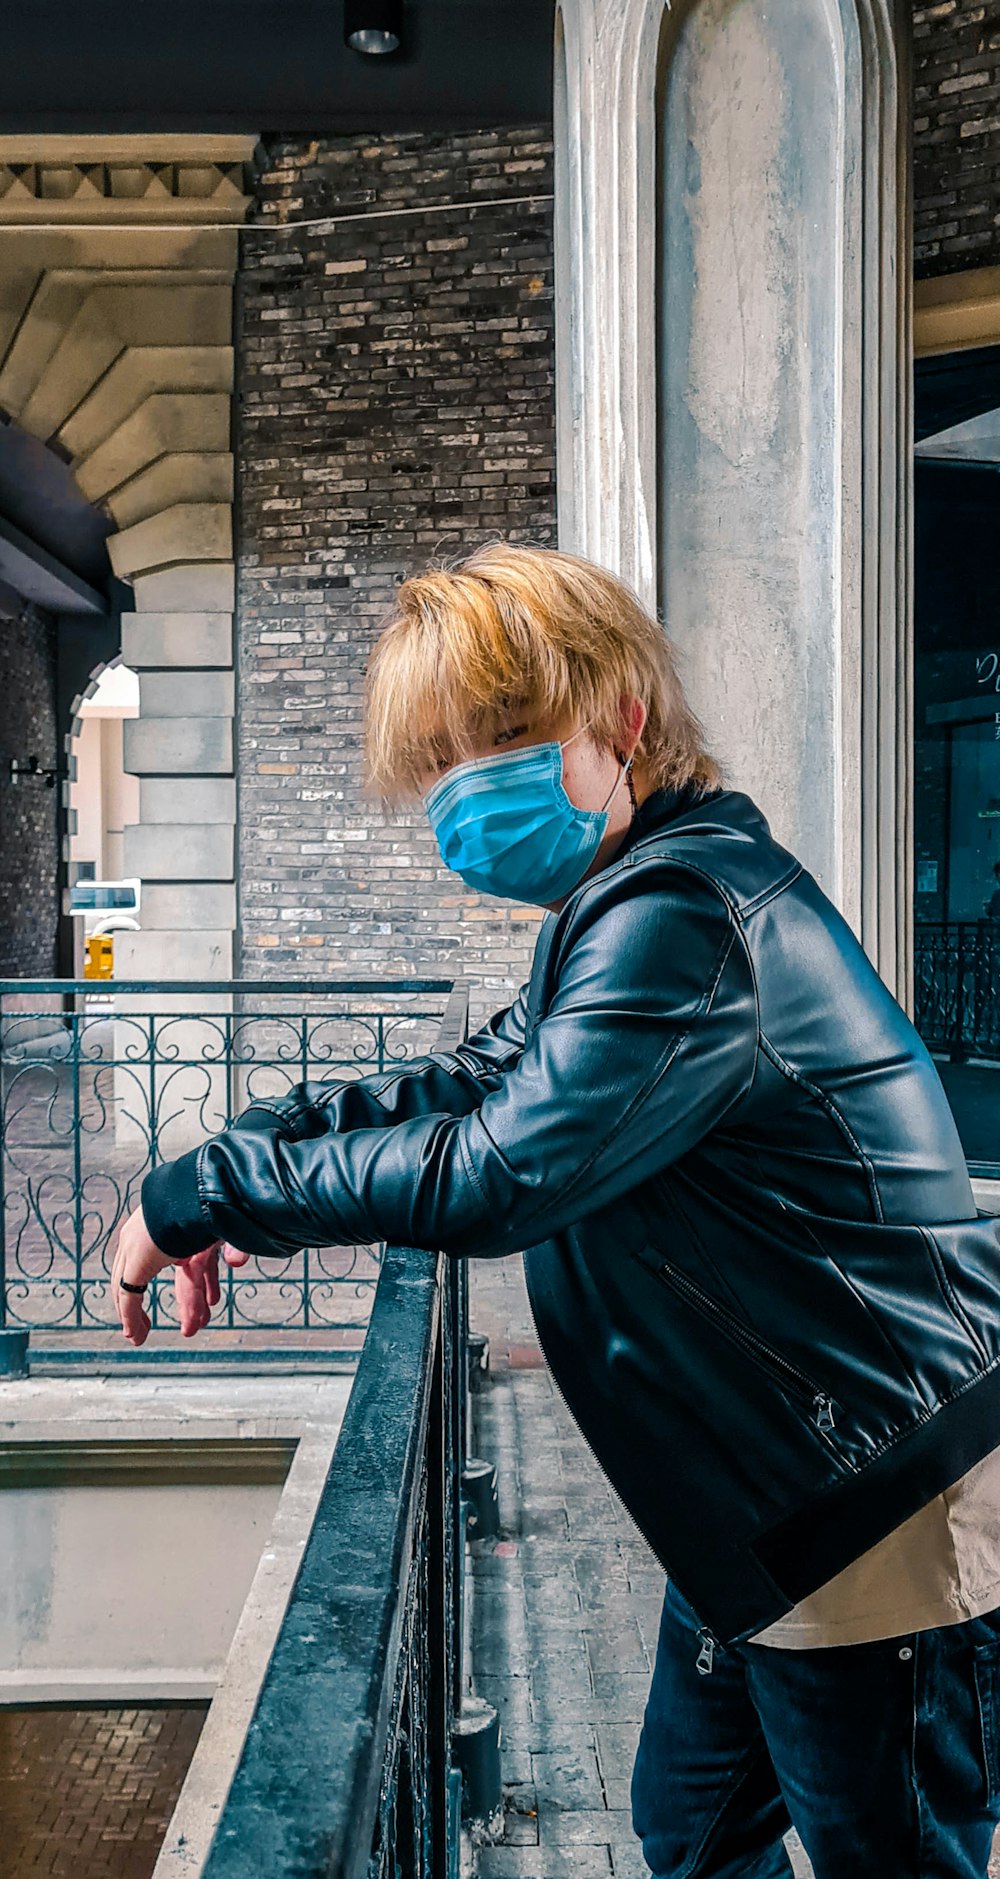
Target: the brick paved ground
pixel 566 1611
pixel 87 1793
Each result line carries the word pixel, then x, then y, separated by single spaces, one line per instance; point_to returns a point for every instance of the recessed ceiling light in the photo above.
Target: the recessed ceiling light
pixel 373 26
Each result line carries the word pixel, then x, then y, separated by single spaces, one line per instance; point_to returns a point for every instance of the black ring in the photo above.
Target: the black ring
pixel 124 1286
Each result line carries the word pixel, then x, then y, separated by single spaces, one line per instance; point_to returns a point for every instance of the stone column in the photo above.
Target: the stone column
pixel 732 401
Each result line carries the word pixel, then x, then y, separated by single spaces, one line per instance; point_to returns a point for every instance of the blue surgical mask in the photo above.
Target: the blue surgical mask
pixel 507 826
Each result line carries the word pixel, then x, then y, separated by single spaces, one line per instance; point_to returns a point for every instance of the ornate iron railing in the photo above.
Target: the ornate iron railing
pixel 347 1768
pixel 100 1083
pixel 957 986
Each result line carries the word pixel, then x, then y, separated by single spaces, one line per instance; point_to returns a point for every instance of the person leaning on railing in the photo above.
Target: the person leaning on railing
pixel 750 1241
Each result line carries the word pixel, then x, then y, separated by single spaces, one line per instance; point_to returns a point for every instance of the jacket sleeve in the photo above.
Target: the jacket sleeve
pixel 449 1081
pixel 650 1037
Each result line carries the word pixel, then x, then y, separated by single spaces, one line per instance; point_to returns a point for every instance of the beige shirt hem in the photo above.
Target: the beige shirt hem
pixel 940 1567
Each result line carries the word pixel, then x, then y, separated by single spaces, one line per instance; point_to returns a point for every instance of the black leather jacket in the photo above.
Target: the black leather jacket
pixel 752 1250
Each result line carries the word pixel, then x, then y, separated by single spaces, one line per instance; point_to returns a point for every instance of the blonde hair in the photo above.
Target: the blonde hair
pixel 549 630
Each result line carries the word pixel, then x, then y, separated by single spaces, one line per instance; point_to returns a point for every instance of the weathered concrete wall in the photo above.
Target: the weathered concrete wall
pixel 148 1523
pixel 107 1586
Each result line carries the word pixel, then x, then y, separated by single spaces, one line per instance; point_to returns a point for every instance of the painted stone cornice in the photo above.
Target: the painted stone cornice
pixel 54 181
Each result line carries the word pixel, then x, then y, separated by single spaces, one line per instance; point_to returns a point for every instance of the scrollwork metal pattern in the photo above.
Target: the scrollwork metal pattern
pixel 97 1088
pixel 957 987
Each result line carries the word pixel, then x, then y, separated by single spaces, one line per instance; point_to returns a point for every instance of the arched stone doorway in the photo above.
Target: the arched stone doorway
pixel 117 259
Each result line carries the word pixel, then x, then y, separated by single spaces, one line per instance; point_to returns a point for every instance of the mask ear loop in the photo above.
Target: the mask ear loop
pixel 626 761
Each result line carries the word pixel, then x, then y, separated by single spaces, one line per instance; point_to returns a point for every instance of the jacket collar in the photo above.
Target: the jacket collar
pixel 660 806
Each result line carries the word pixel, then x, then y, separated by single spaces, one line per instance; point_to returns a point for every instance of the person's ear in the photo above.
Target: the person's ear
pixel 633 715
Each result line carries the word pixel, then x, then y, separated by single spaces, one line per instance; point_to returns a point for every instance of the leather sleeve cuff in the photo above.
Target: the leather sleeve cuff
pixel 261 1118
pixel 172 1208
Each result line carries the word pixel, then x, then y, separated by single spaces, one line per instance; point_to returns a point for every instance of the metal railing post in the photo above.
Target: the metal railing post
pixel 13 1342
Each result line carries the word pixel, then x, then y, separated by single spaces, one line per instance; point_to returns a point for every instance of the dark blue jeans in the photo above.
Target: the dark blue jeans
pixel 885 1757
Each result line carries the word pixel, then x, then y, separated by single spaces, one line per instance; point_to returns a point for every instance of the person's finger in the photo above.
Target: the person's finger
pixel 212 1289
pixel 189 1291
pixel 137 1260
pixel 204 1270
pixel 135 1319
pixel 232 1255
pixel 132 1314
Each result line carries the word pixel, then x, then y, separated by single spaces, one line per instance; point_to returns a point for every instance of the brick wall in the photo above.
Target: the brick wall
pixel 29 828
pixel 956 48
pixel 395 401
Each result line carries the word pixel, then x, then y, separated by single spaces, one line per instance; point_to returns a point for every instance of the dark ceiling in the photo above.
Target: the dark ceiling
pixel 270 66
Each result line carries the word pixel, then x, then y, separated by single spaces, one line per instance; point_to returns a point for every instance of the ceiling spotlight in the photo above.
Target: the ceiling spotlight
pixel 373 25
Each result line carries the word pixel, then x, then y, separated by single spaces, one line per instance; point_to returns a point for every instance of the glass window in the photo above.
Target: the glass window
pixel 957 738
pixel 94 896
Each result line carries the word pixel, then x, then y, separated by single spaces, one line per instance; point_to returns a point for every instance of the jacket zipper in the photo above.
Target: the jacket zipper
pixel 705 1661
pixel 795 1381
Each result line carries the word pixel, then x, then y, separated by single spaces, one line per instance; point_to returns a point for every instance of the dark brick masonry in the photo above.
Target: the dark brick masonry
pixel 88 1793
pixel 395 402
pixel 29 837
pixel 956 136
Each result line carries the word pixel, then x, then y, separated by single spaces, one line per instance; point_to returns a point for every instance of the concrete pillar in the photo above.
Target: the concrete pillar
pixel 733 435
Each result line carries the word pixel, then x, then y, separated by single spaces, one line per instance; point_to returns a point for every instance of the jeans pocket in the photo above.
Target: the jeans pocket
pixel 986 1663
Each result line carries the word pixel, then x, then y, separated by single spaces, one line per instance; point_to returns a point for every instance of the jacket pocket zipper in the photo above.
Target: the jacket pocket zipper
pixel 708 1642
pixel 794 1381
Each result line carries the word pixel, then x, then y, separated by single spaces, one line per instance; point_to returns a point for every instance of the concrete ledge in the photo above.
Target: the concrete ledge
pixel 209 1777
pixel 955 311
pixel 302 1411
pixel 191 476
pixel 190 531
pixel 165 422
pixel 135 376
pixel 110 316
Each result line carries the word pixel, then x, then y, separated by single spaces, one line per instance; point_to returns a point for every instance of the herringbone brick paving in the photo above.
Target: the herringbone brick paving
pixel 87 1793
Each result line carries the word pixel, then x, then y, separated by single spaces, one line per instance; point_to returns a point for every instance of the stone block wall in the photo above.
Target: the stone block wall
pixel 29 810
pixel 956 126
pixel 395 402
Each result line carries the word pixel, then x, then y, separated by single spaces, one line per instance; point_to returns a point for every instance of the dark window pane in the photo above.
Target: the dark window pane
pixel 957 738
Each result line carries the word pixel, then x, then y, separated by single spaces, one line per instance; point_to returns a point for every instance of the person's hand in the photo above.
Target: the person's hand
pixel 137 1260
